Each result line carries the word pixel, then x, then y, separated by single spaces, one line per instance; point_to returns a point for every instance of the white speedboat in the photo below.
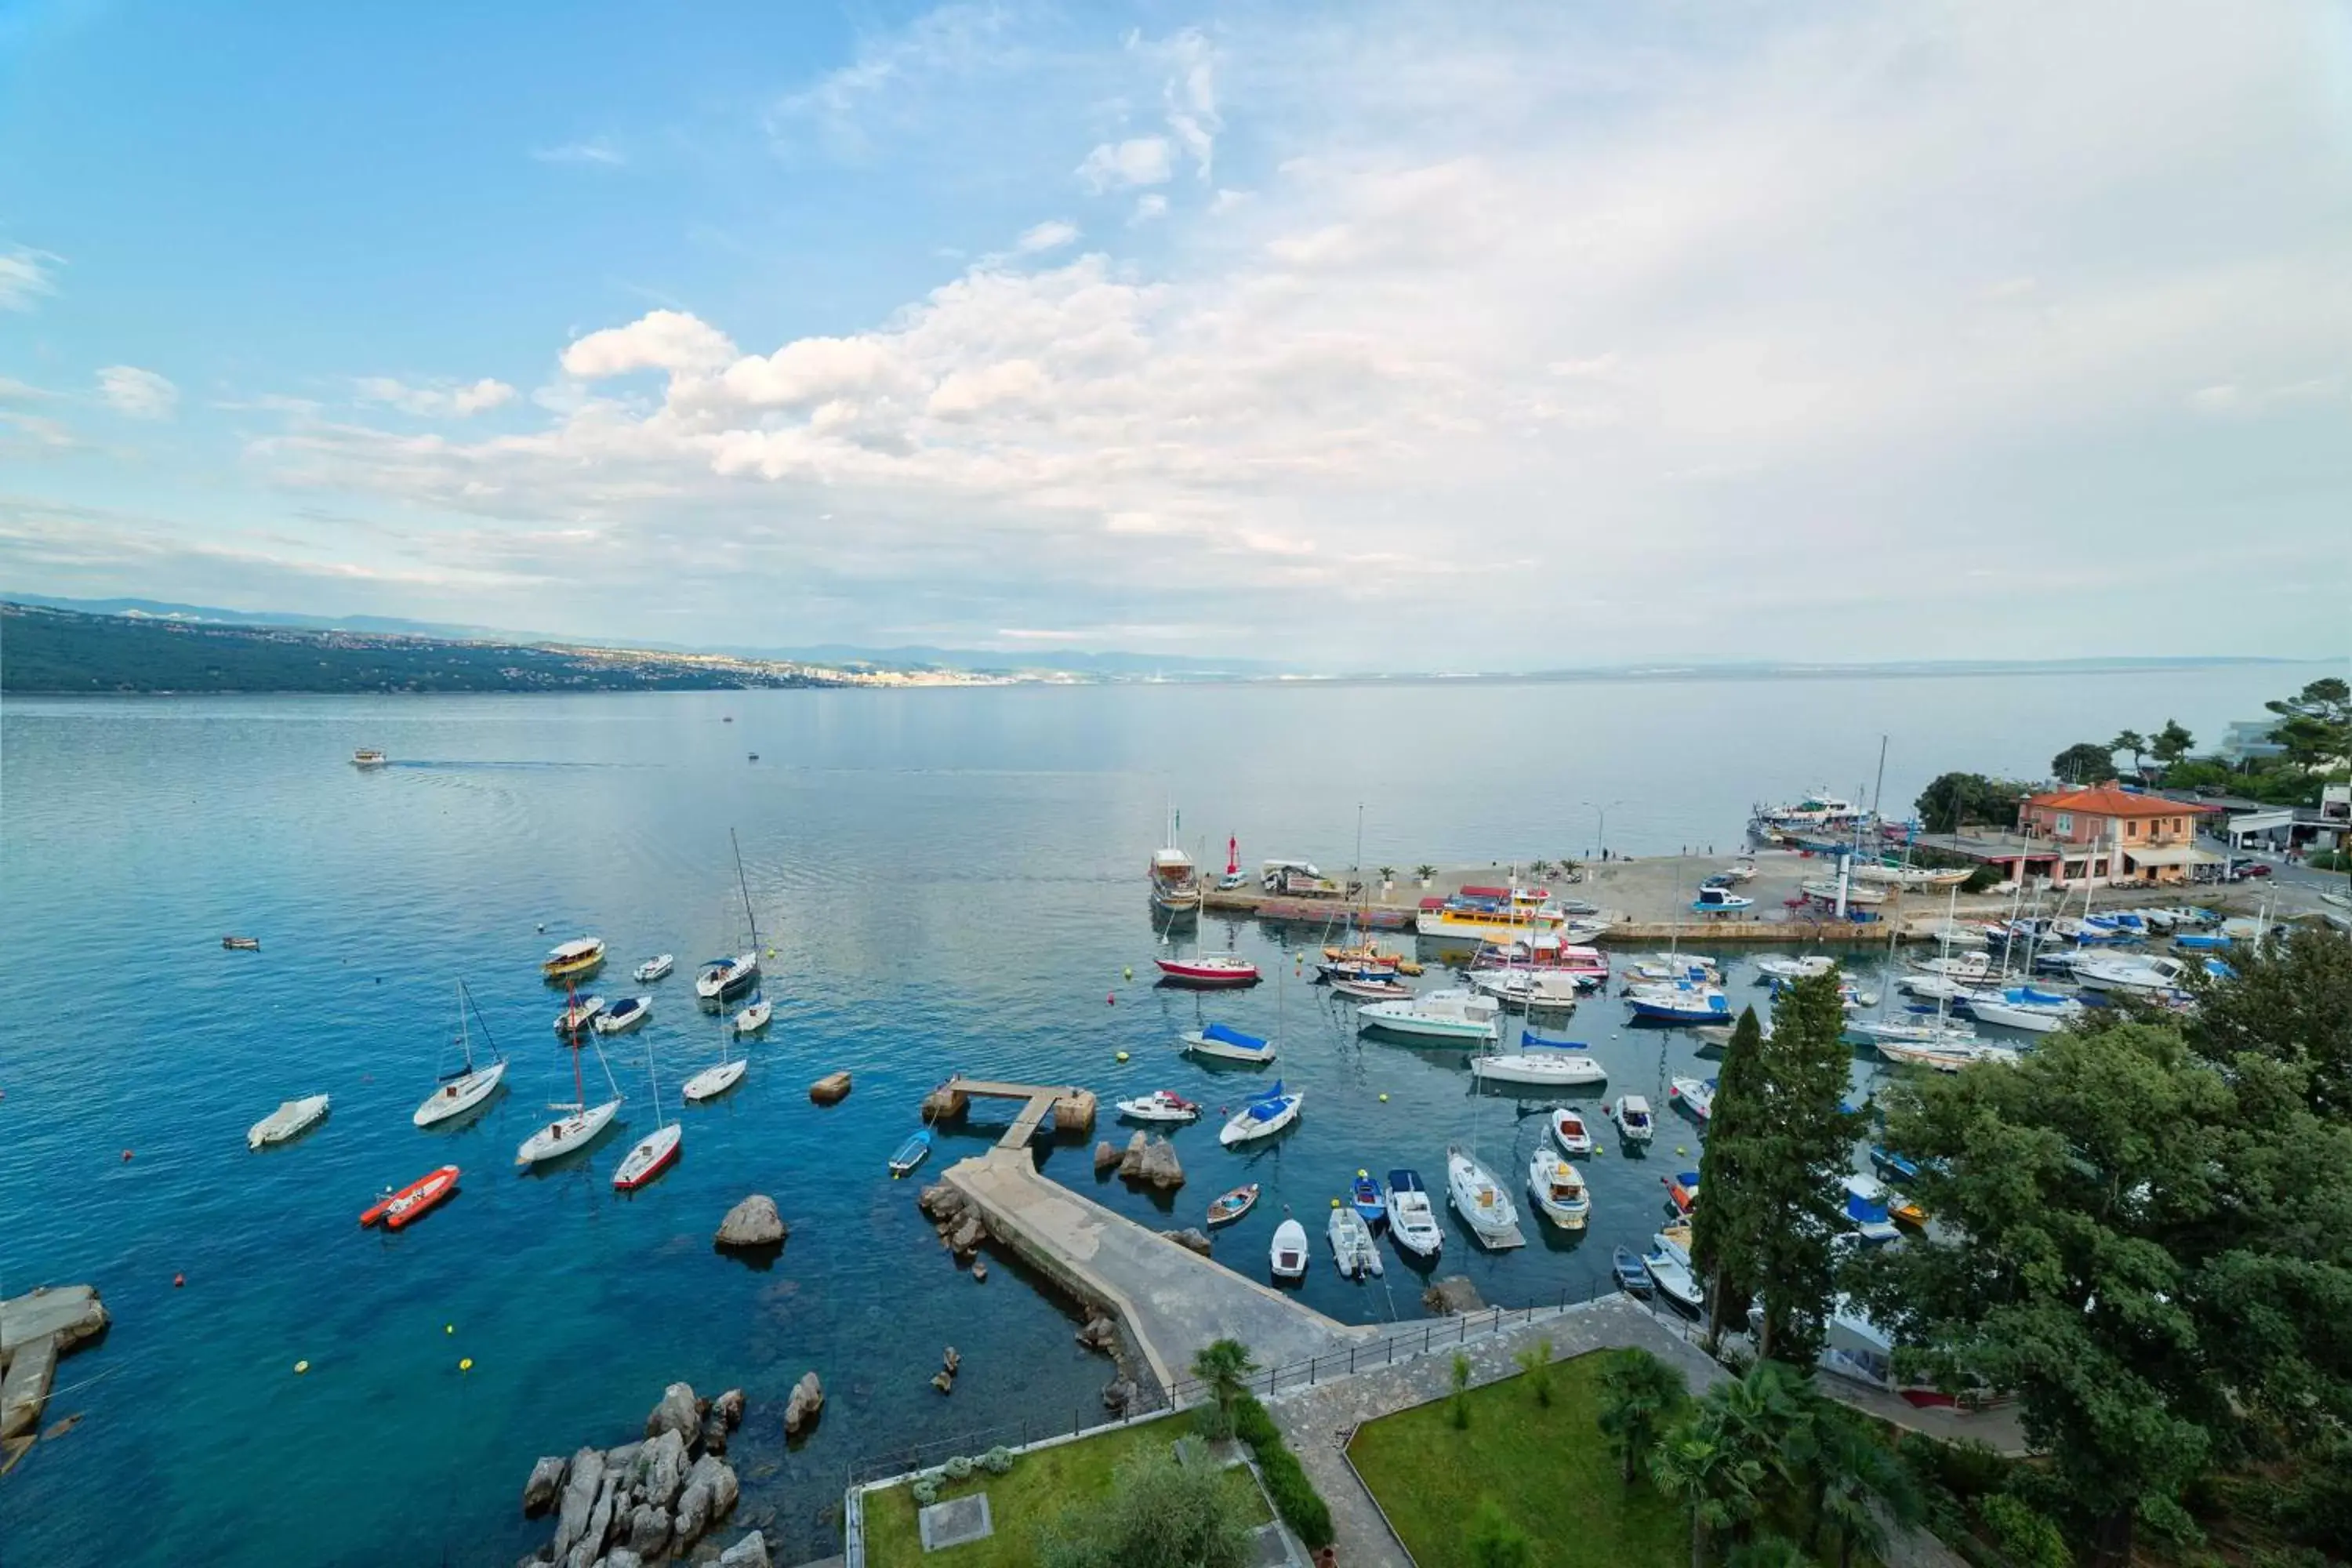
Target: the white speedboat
pixel 713 1081
pixel 578 1126
pixel 2023 1007
pixel 1352 1251
pixel 620 1017
pixel 1543 990
pixel 1946 1057
pixel 1412 1220
pixel 1372 990
pixel 1161 1105
pixel 2132 977
pixel 577 1013
pixel 1973 966
pixel 1540 1069
pixel 1634 1123
pixel 724 979
pixel 1458 1017
pixel 754 1017
pixel 470 1086
pixel 1228 1045
pixel 1482 1202
pixel 1793 968
pixel 1287 1256
pixel 368 757
pixel 1668 969
pixel 1558 1190
pixel 1695 1095
pixel 653 969
pixel 1568 1130
pixel 1263 1117
pixel 1670 1272
pixel 289 1121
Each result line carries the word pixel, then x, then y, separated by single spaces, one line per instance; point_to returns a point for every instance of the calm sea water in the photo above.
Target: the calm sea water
pixel 950 880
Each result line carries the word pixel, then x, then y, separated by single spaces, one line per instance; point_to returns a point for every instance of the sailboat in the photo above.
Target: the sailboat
pixel 651 1154
pixel 718 1078
pixel 724 979
pixel 581 1123
pixel 470 1086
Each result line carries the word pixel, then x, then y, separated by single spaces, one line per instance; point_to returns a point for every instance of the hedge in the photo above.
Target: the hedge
pixel 1295 1497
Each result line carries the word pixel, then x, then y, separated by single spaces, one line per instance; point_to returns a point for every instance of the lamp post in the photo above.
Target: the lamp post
pixel 1600 830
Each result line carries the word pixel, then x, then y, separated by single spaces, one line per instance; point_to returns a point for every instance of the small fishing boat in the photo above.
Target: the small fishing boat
pixel 1540 1069
pixel 1352 1251
pixel 1720 901
pixel 578 1013
pixel 570 960
pixel 1365 1193
pixel 1694 1095
pixel 1558 1190
pixel 1174 881
pixel 1483 1203
pixel 622 1017
pixel 1679 1004
pixel 1568 1130
pixel 1228 1045
pixel 1234 1204
pixel 912 1152
pixel 470 1086
pixel 368 757
pixel 1263 1118
pixel 1453 1016
pixel 655 968
pixel 1804 968
pixel 1682 1191
pixel 1631 1278
pixel 1634 1123
pixel 1161 1105
pixel 1413 1219
pixel 1287 1256
pixel 1864 1200
pixel 754 1017
pixel 651 1154
pixel 242 943
pixel 289 1121
pixel 1211 969
pixel 1373 990
pixel 1670 1272
pixel 396 1209
pixel 2132 977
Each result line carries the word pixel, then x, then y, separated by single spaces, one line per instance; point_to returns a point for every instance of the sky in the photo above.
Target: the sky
pixel 1359 335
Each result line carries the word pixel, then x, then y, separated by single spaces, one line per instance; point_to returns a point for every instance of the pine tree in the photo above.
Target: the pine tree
pixel 1807 1143
pixel 1734 1169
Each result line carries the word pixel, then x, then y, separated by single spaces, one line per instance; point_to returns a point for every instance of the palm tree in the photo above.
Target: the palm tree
pixel 1692 1466
pixel 1424 873
pixel 1638 1396
pixel 1225 1366
pixel 1538 868
pixel 1768 1416
pixel 1858 1484
pixel 1388 875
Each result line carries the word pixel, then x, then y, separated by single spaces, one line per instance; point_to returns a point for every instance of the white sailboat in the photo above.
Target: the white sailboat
pixel 1540 1069
pixel 471 1087
pixel 581 1123
pixel 652 1154
pixel 1482 1201
pixel 718 1078
pixel 721 980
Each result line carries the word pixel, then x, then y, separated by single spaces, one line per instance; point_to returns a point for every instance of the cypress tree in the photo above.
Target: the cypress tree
pixel 1734 1177
pixel 1805 1147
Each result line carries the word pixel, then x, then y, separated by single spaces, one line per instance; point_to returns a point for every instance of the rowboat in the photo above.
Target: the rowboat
pixel 570 960
pixel 1481 1201
pixel 1670 1272
pixel 577 1013
pixel 1263 1118
pixel 1631 1278
pixel 1352 1252
pixel 1228 1045
pixel 654 969
pixel 1558 1190
pixel 1694 1095
pixel 622 1017
pixel 469 1087
pixel 1568 1130
pixel 1364 1192
pixel 1161 1105
pixel 912 1152
pixel 1287 1256
pixel 1234 1204
pixel 1412 1220
pixel 1210 970
pixel 1540 1069
pixel 289 1121
pixel 395 1209
pixel 242 943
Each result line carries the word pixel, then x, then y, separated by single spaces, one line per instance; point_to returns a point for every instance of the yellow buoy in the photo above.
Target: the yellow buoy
pixel 1128 972
pixel 449 1328
pixel 1384 1099
pixel 1335 1202
pixel 1122 1056
pixel 302 1366
pixel 1680 1150
pixel 467 1364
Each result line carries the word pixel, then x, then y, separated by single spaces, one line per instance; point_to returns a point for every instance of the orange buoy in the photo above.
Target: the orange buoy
pixel 179 1281
pixel 126 1156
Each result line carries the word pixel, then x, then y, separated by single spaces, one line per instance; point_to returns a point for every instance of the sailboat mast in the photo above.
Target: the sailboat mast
pixel 746 887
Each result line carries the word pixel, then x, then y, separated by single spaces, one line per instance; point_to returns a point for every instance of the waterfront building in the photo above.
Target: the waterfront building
pixel 2108 833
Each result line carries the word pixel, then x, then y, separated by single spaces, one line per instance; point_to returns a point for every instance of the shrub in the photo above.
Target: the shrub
pixel 997 1461
pixel 1968 1470
pixel 958 1468
pixel 2168 1520
pixel 1458 1406
pixel 1254 1427
pixel 1295 1497
pixel 1159 1511
pixel 925 1489
pixel 1495 1542
pixel 2026 1538
pixel 1535 1365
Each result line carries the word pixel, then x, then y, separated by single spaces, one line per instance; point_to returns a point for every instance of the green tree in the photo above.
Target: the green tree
pixel 1534 1366
pixel 1495 1542
pixel 1768 1551
pixel 2132 741
pixel 1735 1167
pixel 2316 724
pixel 1225 1366
pixel 1458 1402
pixel 1160 1514
pixel 1809 1140
pixel 1424 872
pixel 1641 1396
pixel 2171 743
pixel 2084 762
pixel 2290 1001
pixel 1715 1484
pixel 1953 799
pixel 1857 1481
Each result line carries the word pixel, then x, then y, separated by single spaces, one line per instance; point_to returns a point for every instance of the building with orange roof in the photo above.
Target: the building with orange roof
pixel 2110 834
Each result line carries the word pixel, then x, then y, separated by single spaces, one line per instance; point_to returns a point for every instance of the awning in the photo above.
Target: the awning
pixel 2173 854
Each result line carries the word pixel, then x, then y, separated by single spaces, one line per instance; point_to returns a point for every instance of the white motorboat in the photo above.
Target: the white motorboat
pixel 1540 1069
pixel 1935 987
pixel 1670 1272
pixel 1228 1045
pixel 1805 968
pixel 713 1081
pixel 653 969
pixel 1856 893
pixel 1959 933
pixel 2132 977
pixel 2023 1007
pixel 289 1121
pixel 1287 1256
pixel 724 979
pixel 1413 1219
pixel 754 1017
pixel 1943 1056
pixel 470 1086
pixel 1568 1130
pixel 579 1125
pixel 623 1015
pixel 1679 1004
pixel 368 757
pixel 1695 1095
pixel 1558 1190
pixel 577 1013
pixel 1481 1201
pixel 1634 1123
pixel 1352 1251
pixel 1161 1105
pixel 1542 990
pixel 1263 1117
pixel 1455 1015
pixel 1965 966
pixel 1372 990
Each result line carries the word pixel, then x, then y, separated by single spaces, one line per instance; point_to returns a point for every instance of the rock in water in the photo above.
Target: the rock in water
pixel 676 1412
pixel 980 1271
pixel 940 1201
pixel 1131 1164
pixel 693 1517
pixel 1099 1334
pixel 807 1399
pixel 1159 1165
pixel 661 1469
pixel 944 1382
pixel 729 1408
pixel 967 1235
pixel 648 1530
pixel 1191 1238
pixel 753 1223
pixel 716 1479
pixel 830 1089
pixel 752 1551
pixel 1452 1296
pixel 546 1483
pixel 1117 1395
pixel 952 1361
pixel 621 1557
pixel 579 1500
pixel 1105 1156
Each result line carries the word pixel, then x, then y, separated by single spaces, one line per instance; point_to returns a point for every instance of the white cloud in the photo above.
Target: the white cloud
pixel 892 77
pixel 1049 235
pixel 1149 207
pixel 810 371
pixel 594 151
pixel 1117 165
pixel 25 277
pixel 141 393
pixel 436 402
pixel 674 341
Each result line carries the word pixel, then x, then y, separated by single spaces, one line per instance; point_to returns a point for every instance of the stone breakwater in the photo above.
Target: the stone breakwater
pixel 649 1501
pixel 36 1329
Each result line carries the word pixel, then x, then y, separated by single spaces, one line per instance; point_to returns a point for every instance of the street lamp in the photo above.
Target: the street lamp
pixel 1601 831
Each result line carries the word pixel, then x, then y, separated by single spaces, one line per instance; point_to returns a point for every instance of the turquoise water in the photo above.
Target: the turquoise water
pixel 950 880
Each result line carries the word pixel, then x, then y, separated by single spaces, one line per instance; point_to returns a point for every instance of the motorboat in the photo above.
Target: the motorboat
pixel 1805 968
pixel 1161 1105
pixel 713 1081
pixel 395 1210
pixel 1490 914
pixel 1558 1190
pixel 1482 1202
pixel 1538 990
pixel 1818 812
pixel 368 757
pixel 1568 1130
pixel 1631 1278
pixel 1738 872
pixel 1964 966
pixel 1287 1255
pixel 1827 891
pixel 577 1013
pixel 1413 1219
pixel 1682 1191
pixel 570 960
pixel 471 1086
pixel 1934 987
pixel 581 1126
pixel 1634 1123
pixel 1263 1118
pixel 1679 1002
pixel 241 944
pixel 648 1157
pixel 724 979
pixel 1895 1167
pixel 2023 1007
pixel 1720 901
pixel 912 1152
pixel 1540 1069
pixel 621 1017
pixel 1229 1207
pixel 1945 1055
pixel 1371 954
pixel 1694 1095
pixel 1958 934
pixel 2133 977
pixel 1209 969
pixel 1228 1045
pixel 1669 969
pixel 1365 1193
pixel 1175 882
pixel 1373 990
pixel 1865 1205
pixel 655 968
pixel 1352 1252
pixel 1454 1015
pixel 288 1121
pixel 754 1017
pixel 1546 953
pixel 1670 1271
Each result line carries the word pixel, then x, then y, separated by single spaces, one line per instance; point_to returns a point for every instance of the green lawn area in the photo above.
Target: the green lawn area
pixel 1041 1485
pixel 1550 1469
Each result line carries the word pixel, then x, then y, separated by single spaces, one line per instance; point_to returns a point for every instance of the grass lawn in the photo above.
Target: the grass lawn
pixel 1041 1485
pixel 1550 1469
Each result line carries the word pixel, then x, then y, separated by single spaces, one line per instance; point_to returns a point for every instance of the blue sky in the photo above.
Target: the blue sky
pixel 1363 334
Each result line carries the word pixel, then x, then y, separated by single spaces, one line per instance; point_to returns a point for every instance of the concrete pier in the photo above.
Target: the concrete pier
pixel 1072 1108
pixel 35 1330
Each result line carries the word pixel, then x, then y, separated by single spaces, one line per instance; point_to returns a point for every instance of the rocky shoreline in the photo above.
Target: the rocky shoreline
pixel 658 1499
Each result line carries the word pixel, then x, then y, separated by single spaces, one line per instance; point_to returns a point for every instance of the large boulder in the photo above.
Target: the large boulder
pixel 969 1233
pixel 940 1201
pixel 1118 1393
pixel 729 1408
pixel 1130 1164
pixel 1451 1297
pixel 752 1551
pixel 621 1557
pixel 590 1543
pixel 716 1477
pixel 830 1089
pixel 1191 1238
pixel 1099 1334
pixel 1159 1165
pixel 546 1484
pixel 580 1492
pixel 693 1517
pixel 676 1412
pixel 801 1409
pixel 661 1469
pixel 1105 1156
pixel 648 1530
pixel 753 1223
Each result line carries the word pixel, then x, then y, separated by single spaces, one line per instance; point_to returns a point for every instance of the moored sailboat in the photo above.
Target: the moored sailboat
pixel 471 1087
pixel 579 1125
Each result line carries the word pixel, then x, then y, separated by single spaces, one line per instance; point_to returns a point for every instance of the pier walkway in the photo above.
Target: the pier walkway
pixel 1171 1300
pixel 1072 1108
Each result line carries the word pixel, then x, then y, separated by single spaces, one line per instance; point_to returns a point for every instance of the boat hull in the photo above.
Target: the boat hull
pixel 414 1200
pixel 648 1158
pixel 1206 976
pixel 460 1096
pixel 568 1135
pixel 1573 1072
pixel 713 1081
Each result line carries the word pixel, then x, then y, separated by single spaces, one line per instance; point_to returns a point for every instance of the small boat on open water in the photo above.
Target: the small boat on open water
pixel 570 960
pixel 1365 1193
pixel 288 1121
pixel 413 1201
pixel 1161 1105
pixel 581 1124
pixel 1634 1123
pixel 754 1017
pixel 911 1153
pixel 621 1017
pixel 653 1153
pixel 1231 1205
pixel 1228 1045
pixel 654 969
pixel 578 1013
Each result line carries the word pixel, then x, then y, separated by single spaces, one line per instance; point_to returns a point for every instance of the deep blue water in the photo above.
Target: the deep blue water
pixel 951 880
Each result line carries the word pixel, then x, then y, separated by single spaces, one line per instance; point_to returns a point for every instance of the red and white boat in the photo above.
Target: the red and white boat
pixel 1161 1105
pixel 413 1201
pixel 648 1157
pixel 1209 969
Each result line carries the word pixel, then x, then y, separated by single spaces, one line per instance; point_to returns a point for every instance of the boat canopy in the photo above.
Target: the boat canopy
pixel 1270 1105
pixel 1228 1036
pixel 1405 1182
pixel 575 948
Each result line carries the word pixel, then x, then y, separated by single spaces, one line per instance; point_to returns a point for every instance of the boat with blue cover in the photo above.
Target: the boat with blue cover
pixel 1865 1210
pixel 1369 1201
pixel 1227 1044
pixel 1679 1004
pixel 911 1153
pixel 1895 1167
pixel 1263 1118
